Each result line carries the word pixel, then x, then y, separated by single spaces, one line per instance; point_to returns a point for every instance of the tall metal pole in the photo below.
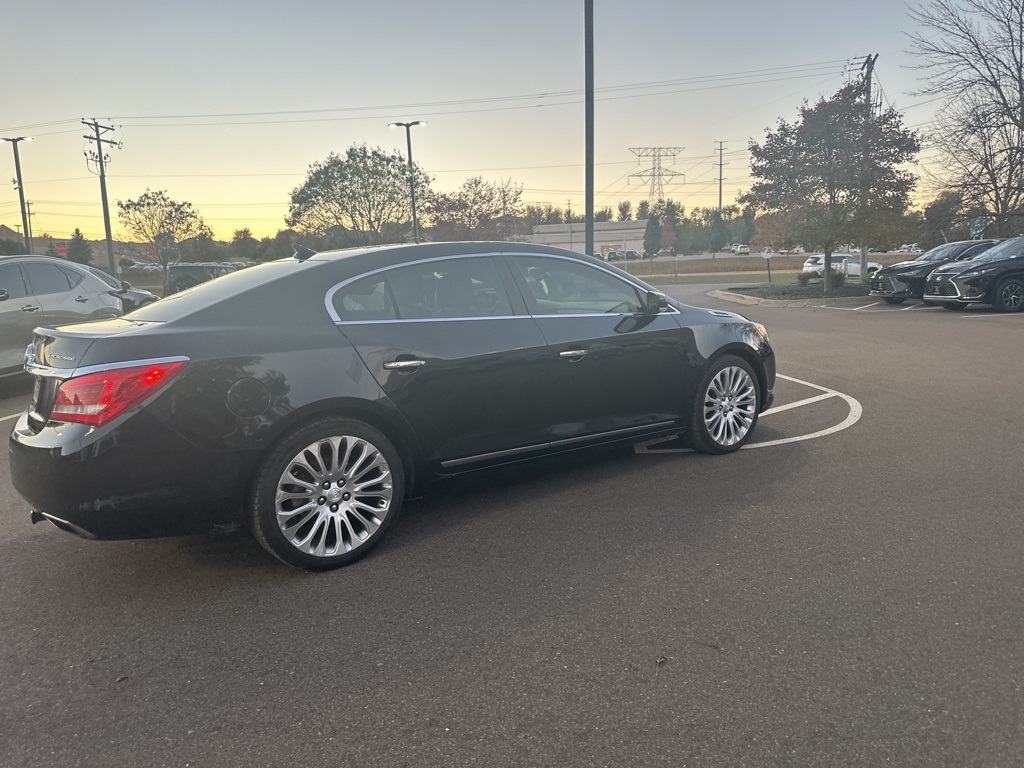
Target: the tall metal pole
pixel 412 175
pixel 21 191
pixel 588 22
pixel 101 162
pixel 869 65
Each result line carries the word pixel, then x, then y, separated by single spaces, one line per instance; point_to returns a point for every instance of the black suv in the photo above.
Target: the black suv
pixel 906 280
pixel 995 277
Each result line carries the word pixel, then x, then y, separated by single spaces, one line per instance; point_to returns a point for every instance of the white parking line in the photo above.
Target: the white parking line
pixel 797 404
pixel 977 316
pixel 914 306
pixel 851 418
pixel 8 418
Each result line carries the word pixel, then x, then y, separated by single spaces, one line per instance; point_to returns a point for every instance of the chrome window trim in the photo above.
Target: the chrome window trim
pixel 49 372
pixel 433 320
pixel 329 296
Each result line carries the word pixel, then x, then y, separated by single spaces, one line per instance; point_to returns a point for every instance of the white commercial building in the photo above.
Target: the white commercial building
pixel 608 236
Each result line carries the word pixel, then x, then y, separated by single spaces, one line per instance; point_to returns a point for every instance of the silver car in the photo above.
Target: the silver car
pixel 39 290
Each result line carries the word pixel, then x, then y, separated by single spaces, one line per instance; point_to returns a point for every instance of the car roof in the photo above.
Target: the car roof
pixel 34 257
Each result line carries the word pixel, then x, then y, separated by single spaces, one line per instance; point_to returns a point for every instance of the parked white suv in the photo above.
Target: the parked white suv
pixel 848 264
pixel 740 248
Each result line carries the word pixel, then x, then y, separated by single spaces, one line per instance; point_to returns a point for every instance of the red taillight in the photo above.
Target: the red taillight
pixel 96 398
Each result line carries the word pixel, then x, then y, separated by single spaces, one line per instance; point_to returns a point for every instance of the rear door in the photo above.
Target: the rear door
pixel 20 312
pixel 60 292
pixel 455 350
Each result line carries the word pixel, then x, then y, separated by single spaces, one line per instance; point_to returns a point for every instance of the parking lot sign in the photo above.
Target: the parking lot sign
pixel 977 227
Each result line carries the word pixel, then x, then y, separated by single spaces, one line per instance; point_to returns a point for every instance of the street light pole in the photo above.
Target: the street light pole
pixel 21 190
pixel 412 175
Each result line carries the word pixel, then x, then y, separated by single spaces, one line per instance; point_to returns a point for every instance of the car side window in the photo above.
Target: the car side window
pixel 73 276
pixel 563 287
pixel 366 299
pixel 451 288
pixel 12 281
pixel 46 278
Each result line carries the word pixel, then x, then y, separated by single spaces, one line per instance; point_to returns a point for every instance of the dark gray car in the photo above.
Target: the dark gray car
pixel 39 290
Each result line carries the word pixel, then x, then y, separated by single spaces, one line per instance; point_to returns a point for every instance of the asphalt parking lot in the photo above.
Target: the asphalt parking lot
pixel 847 591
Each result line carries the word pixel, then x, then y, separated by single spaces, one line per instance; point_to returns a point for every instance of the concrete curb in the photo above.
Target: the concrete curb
pixel 740 298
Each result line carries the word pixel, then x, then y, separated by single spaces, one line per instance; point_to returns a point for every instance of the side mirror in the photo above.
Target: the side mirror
pixel 654 302
pixel 125 285
pixel 4 295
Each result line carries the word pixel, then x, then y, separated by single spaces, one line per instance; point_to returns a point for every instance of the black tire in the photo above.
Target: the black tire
pixel 316 507
pixel 953 306
pixel 893 300
pixel 710 400
pixel 1009 295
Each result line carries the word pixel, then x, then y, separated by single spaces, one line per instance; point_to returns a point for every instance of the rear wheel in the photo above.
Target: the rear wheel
pixel 726 407
pixel 893 300
pixel 1009 295
pixel 325 494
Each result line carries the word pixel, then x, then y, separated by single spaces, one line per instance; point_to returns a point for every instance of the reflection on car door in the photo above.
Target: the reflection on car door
pixel 20 313
pixel 60 292
pixel 456 352
pixel 612 369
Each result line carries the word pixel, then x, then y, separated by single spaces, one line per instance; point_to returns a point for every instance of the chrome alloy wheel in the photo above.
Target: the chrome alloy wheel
pixel 1011 296
pixel 729 406
pixel 333 496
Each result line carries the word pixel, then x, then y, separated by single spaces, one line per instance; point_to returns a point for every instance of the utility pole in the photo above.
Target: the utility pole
pixel 100 158
pixel 588 67
pixel 21 187
pixel 28 219
pixel 721 145
pixel 656 174
pixel 868 68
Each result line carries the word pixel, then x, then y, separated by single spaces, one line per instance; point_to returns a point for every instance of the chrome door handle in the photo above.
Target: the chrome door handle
pixel 404 365
pixel 573 354
pixel 30 308
pixel 81 299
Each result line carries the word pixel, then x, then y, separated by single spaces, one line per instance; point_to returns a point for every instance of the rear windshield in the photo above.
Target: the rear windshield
pixel 205 294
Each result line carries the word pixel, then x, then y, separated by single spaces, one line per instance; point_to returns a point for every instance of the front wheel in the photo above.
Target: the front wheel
pixel 326 493
pixel 1009 295
pixel 726 407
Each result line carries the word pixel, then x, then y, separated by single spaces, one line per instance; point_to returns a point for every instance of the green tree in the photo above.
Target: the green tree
pixel 625 210
pixel 360 193
pixel 652 235
pixel 643 211
pixel 603 214
pixel 51 250
pixel 79 249
pixel 478 210
pixel 244 245
pixel 943 220
pixel 836 171
pixel 162 223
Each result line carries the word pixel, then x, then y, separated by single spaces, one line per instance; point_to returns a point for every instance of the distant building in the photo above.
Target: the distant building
pixel 608 236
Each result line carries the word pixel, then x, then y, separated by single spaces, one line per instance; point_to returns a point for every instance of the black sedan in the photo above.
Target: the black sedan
pixel 308 397
pixel 995 277
pixel 906 280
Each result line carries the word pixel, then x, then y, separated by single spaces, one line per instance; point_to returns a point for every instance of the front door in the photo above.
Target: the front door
pixel 613 369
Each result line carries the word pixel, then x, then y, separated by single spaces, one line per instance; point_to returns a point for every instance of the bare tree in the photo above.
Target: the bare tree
pixel 971 54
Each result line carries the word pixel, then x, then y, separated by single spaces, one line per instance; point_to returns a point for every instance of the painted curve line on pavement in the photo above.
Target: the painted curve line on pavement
pixel 852 418
pixel 8 418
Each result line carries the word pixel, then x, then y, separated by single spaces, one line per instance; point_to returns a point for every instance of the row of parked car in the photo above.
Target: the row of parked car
pixel 45 291
pixel 952 275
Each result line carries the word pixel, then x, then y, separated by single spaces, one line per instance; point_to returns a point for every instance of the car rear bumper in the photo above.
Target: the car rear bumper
pixel 139 479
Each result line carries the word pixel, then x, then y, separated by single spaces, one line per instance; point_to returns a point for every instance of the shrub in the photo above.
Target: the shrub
pixel 838 277
pixel 804 277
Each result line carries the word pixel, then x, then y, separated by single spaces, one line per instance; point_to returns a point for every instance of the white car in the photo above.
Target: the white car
pixel 848 264
pixel 739 248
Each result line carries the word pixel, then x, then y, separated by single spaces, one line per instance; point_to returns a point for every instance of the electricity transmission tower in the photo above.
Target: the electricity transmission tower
pixel 656 174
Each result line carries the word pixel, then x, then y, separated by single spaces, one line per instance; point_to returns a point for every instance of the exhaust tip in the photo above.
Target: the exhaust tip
pixel 36 517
